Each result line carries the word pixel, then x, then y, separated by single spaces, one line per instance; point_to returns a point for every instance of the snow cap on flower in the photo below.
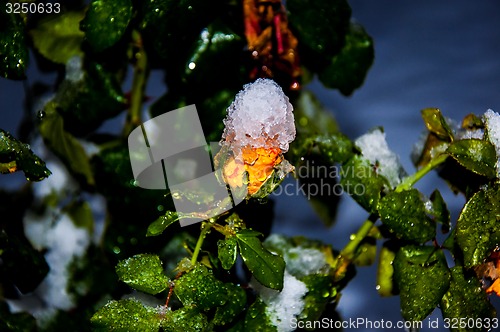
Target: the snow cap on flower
pixel 261 116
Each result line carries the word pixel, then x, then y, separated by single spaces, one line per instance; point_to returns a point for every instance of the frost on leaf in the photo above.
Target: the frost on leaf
pixel 258 129
pixel 374 148
pixel 492 123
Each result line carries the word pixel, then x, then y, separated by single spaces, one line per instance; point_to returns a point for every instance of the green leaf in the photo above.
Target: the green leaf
pixel 320 26
pixel 17 156
pixel 321 292
pixel 161 21
pixel 385 271
pixel 440 211
pixel 404 213
pixel 436 124
pixel 105 22
pixel 267 268
pixel 143 272
pixel 199 287
pixel 422 277
pixel 228 312
pixel 126 315
pixel 466 299
pixel 476 155
pixel 361 182
pixel 348 69
pixel 256 319
pixel 215 49
pixel 477 230
pixel 64 145
pixel 227 251
pixel 188 319
pixel 58 37
pixel 13 45
pixel 159 225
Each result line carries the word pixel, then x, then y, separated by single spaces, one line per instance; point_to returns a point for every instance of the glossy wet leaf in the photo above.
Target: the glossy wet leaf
pixel 105 22
pixel 159 225
pixel 143 272
pixel 161 21
pixel 440 211
pixel 126 315
pixel 13 45
pixel 58 37
pixel 17 156
pixel 386 285
pixel 256 318
pixel 65 145
pixel 233 307
pixel 347 70
pixel 436 124
pixel 214 56
pixel 199 287
pixel 423 278
pixel 404 213
pixel 361 182
pixel 320 27
pixel 476 155
pixel 227 251
pixel 321 292
pixel 477 231
pixel 267 268
pixel 466 299
pixel 185 319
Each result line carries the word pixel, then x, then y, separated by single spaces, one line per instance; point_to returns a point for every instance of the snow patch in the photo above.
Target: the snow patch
pixel 282 307
pixel 261 116
pixel 64 242
pixel 374 148
pixel 301 262
pixel 492 123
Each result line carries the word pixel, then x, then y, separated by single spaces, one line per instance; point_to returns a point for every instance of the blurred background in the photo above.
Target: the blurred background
pixel 430 53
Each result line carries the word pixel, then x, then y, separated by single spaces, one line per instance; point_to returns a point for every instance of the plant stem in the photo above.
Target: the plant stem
pixel 409 181
pixel 138 86
pixel 348 254
pixel 205 228
pixel 350 250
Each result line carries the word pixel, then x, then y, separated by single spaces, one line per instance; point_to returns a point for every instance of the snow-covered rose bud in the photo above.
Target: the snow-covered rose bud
pixel 258 129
